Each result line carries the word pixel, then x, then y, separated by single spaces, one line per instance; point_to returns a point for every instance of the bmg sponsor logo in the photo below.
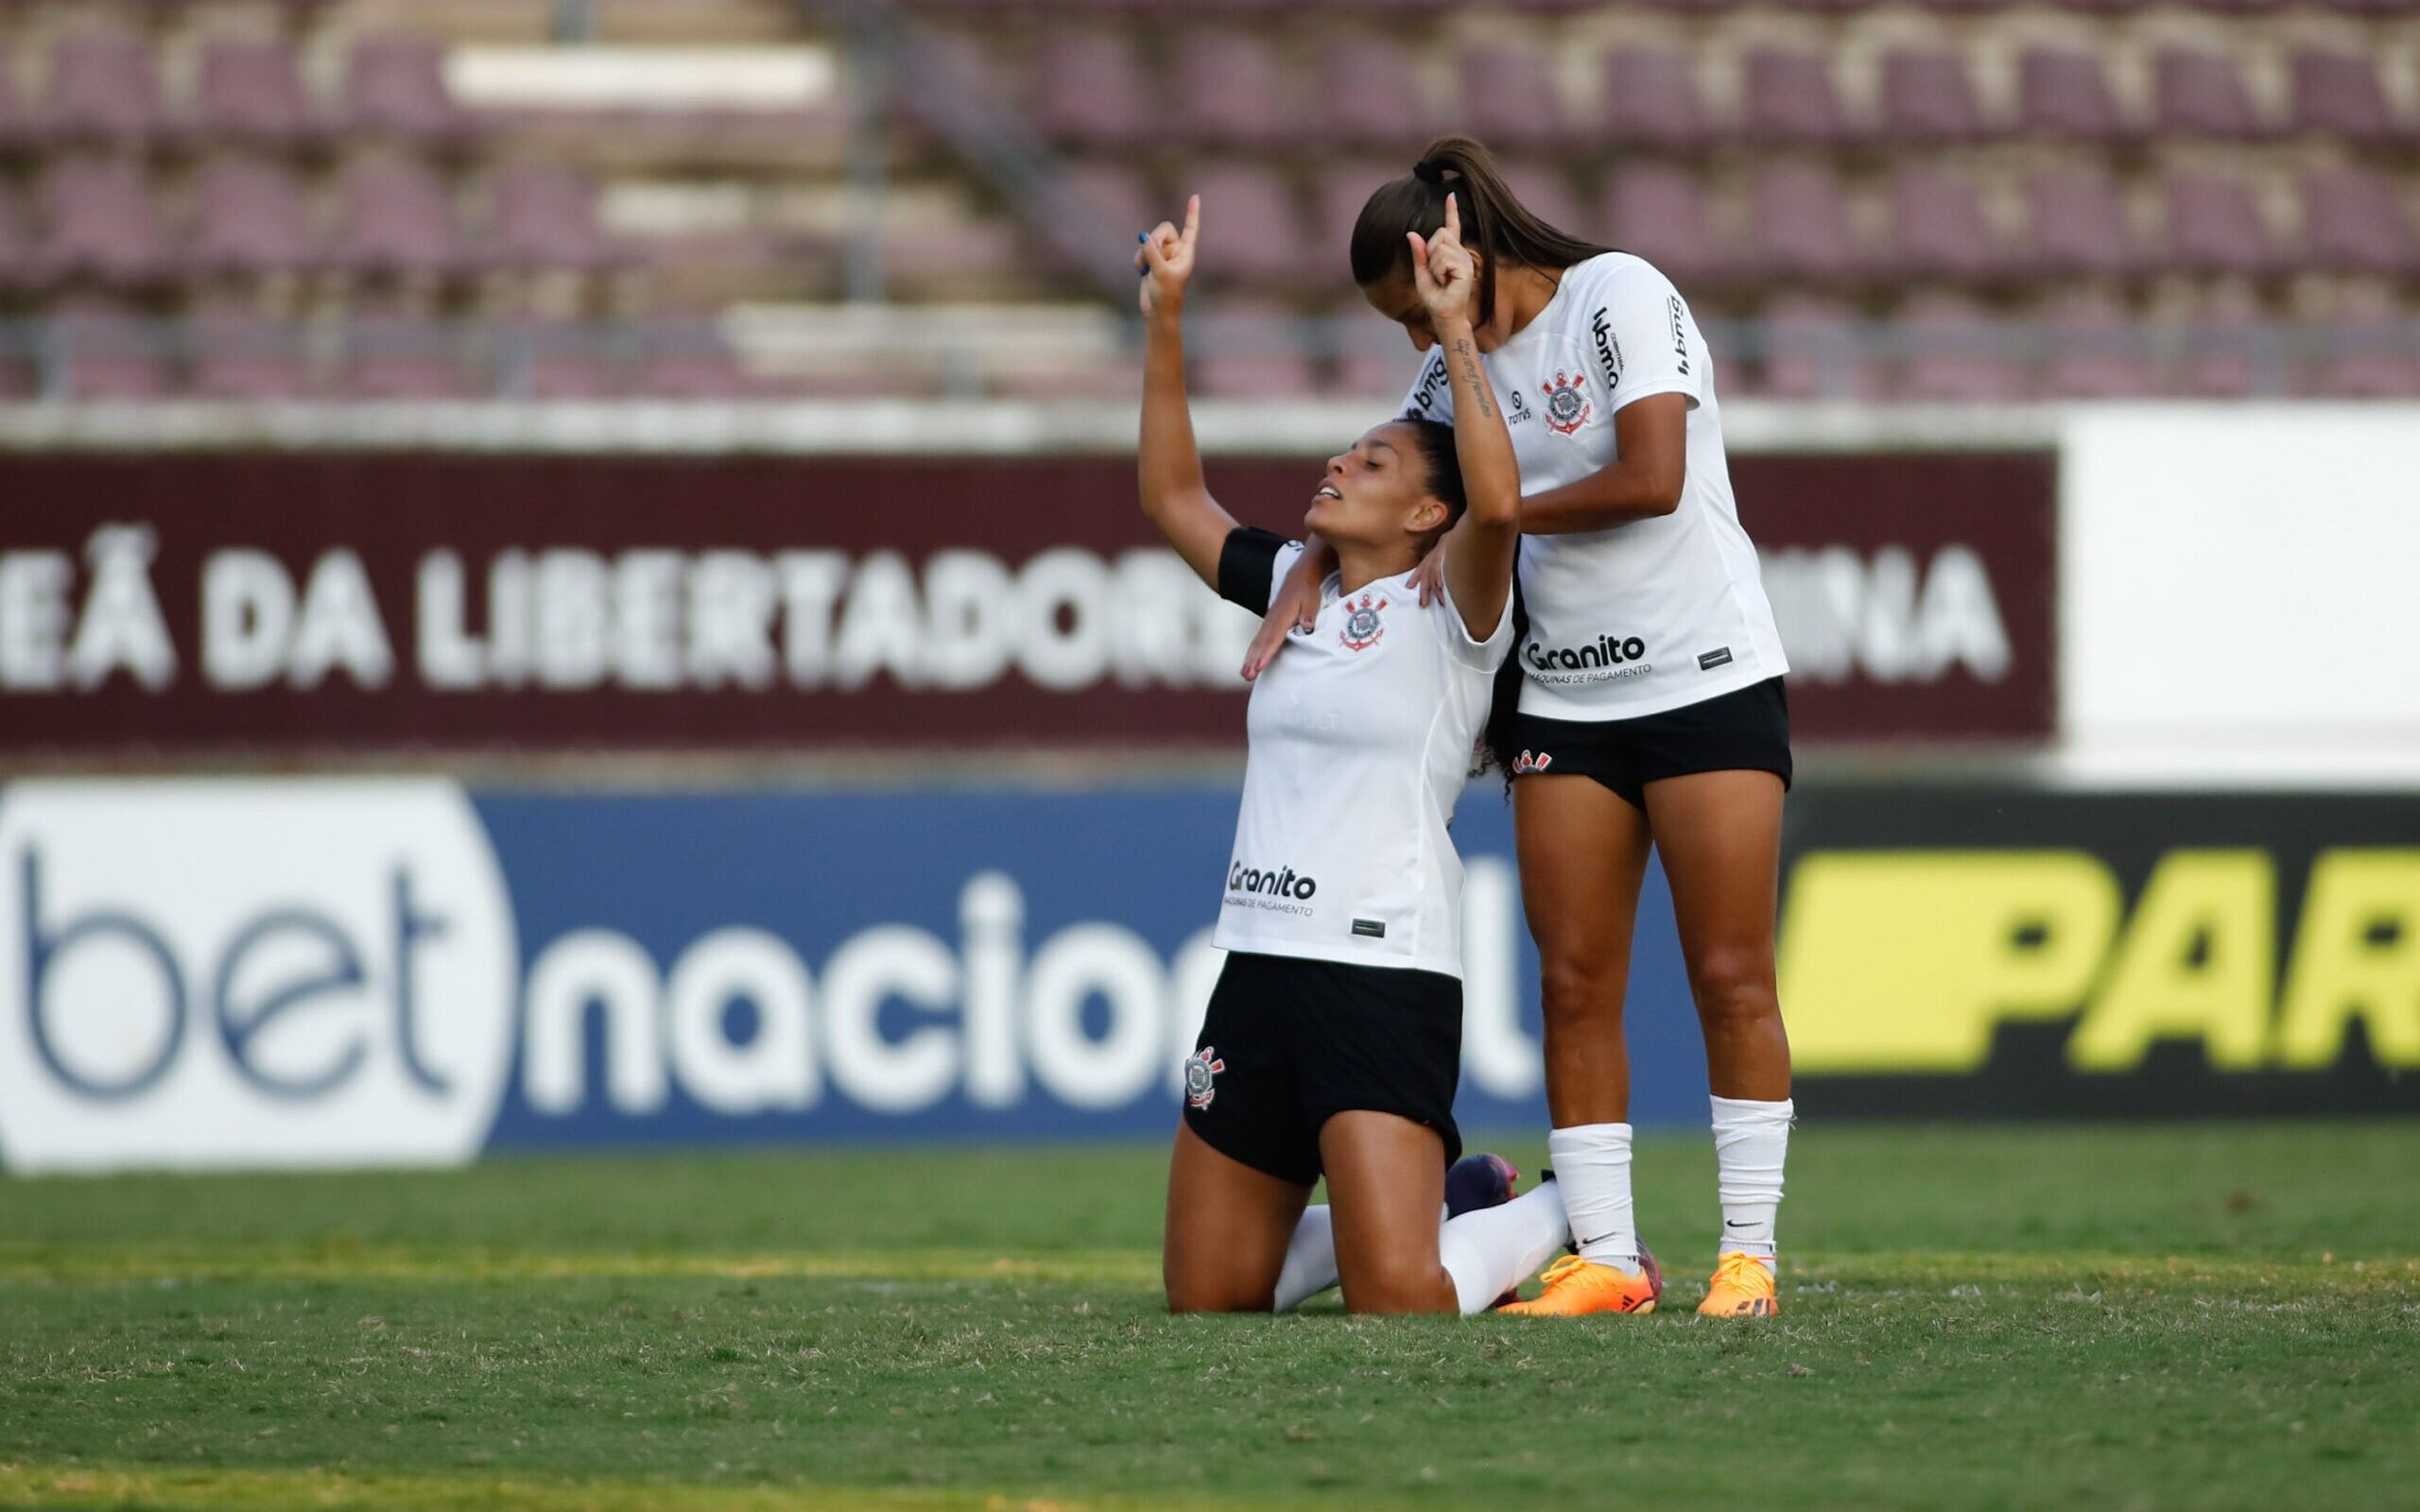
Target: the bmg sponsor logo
pixel 238 973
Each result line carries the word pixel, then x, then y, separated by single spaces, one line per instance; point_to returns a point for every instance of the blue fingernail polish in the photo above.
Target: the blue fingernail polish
pixel 1143 237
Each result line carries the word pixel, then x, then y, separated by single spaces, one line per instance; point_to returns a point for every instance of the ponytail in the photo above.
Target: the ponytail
pixel 1495 225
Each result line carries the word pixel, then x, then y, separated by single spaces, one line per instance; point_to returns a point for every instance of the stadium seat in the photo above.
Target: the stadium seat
pixel 1341 191
pixel 249 217
pixel 690 360
pixel 1090 89
pixel 2214 226
pixel 1660 213
pixel 1251 223
pixel 251 90
pixel 102 87
pixel 2202 94
pixel 101 351
pixel 398 219
pixel 1375 358
pixel 395 86
pixel 2339 95
pixel 1938 227
pixel 102 223
pixel 1509 95
pixel 1369 96
pixel 238 354
pixel 1799 227
pixel 402 357
pixel 2079 224
pixel 1651 97
pixel 1544 190
pixel 1230 93
pixel 2354 221
pixel 546 217
pixel 2066 94
pixel 1250 349
pixel 1789 99
pixel 21 263
pixel 554 362
pixel 2228 351
pixel 2093 349
pixel 1955 353
pixel 1813 351
pixel 1927 96
pixel 2371 350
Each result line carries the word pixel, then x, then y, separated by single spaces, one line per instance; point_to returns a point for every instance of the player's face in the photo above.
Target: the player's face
pixel 1374 493
pixel 1398 298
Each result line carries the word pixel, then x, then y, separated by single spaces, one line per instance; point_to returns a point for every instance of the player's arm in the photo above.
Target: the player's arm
pixel 1651 440
pixel 1168 465
pixel 1644 350
pixel 1482 547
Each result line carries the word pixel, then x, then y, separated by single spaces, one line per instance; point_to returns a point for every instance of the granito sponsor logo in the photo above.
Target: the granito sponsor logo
pixel 1609 347
pixel 1607 659
pixel 1278 890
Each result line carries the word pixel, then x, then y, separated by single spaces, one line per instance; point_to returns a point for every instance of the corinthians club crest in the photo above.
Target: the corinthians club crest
pixel 1201 1068
pixel 1362 625
pixel 1567 407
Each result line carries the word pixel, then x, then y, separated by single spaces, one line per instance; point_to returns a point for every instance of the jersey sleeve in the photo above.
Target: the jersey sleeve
pixel 1433 392
pixel 1486 655
pixel 1641 337
pixel 1251 565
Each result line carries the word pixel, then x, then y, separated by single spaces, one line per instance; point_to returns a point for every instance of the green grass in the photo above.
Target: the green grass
pixel 2200 1318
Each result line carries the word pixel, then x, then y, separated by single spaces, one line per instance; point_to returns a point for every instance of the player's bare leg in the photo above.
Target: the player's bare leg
pixel 1584 855
pixel 1719 835
pixel 1227 1231
pixel 1385 1182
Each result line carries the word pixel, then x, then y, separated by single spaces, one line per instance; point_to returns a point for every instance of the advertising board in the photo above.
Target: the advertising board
pixel 277 605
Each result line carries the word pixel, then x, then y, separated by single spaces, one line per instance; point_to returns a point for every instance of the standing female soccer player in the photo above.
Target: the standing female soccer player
pixel 1333 1040
pixel 1645 704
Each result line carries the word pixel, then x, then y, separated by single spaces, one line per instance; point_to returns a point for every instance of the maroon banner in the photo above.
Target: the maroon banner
pixel 287 603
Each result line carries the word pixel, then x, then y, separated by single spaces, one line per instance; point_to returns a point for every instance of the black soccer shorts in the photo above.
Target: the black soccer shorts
pixel 1289 1044
pixel 1747 731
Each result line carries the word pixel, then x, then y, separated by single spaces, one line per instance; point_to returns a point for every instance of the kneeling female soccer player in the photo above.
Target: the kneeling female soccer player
pixel 1333 1042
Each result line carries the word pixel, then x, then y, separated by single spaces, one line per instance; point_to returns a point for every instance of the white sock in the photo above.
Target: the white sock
pixel 1310 1260
pixel 1592 1165
pixel 1750 1142
pixel 1486 1259
pixel 1488 1251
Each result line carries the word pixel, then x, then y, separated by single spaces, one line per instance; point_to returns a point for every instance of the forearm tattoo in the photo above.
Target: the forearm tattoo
pixel 1468 356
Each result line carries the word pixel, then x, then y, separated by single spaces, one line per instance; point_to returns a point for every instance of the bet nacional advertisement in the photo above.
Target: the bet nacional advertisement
pixel 248 974
pixel 224 606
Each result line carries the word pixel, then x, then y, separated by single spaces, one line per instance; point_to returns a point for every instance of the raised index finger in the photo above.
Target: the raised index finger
pixel 1453 218
pixel 1192 219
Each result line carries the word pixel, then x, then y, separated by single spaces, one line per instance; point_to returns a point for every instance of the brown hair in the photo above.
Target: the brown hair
pixel 1496 224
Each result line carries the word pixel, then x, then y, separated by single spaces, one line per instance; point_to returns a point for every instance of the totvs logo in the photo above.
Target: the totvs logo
pixel 203 973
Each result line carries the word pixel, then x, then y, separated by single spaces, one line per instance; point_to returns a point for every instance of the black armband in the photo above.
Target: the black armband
pixel 1248 567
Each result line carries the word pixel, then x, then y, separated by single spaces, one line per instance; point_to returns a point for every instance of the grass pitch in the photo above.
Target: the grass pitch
pixel 2201 1318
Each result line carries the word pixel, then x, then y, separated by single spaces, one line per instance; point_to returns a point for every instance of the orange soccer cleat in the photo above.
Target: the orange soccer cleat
pixel 1576 1287
pixel 1742 1287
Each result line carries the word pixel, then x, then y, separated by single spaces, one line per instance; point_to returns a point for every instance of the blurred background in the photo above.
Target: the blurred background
pixel 569 571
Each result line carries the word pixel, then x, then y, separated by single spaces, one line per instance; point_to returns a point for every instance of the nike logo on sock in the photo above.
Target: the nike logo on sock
pixel 1729 1223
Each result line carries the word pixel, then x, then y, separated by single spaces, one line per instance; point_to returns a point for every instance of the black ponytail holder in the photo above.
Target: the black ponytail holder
pixel 1427 172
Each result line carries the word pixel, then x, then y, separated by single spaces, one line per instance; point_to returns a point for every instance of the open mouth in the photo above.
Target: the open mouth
pixel 1327 490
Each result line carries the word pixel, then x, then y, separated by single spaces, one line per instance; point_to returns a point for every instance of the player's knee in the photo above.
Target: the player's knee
pixel 1734 988
pixel 1399 1285
pixel 1194 1292
pixel 1576 991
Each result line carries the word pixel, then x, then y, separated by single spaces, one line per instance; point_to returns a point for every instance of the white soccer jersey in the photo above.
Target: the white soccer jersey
pixel 1362 738
pixel 1657 613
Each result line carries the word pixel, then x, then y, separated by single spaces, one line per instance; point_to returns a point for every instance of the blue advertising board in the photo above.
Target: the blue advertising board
pixel 264 973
